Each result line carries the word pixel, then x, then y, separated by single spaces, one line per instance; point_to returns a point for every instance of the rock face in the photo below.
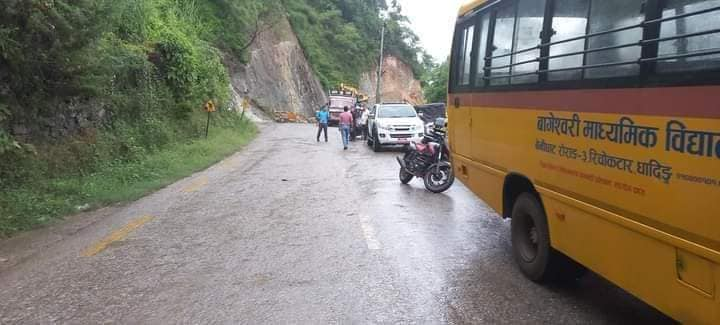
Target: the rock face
pixel 398 83
pixel 242 104
pixel 278 77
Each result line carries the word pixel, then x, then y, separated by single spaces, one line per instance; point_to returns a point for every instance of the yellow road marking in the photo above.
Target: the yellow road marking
pixel 197 184
pixel 116 236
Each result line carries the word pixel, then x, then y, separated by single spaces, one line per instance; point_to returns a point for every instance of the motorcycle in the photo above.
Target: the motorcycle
pixel 429 160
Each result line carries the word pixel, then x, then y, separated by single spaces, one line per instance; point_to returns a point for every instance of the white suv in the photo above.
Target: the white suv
pixel 393 124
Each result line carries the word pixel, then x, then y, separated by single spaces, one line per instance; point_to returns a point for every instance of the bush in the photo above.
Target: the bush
pixel 143 64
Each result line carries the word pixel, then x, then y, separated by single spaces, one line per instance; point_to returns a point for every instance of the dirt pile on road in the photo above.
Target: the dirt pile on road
pixel 291 117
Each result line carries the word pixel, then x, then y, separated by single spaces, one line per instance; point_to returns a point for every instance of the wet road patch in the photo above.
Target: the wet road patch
pixel 369 233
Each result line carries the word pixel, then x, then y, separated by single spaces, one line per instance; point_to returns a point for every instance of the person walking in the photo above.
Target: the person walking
pixel 346 122
pixel 355 130
pixel 323 116
pixel 363 123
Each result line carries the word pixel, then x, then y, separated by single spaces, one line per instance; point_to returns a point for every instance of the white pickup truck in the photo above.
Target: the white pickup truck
pixel 393 124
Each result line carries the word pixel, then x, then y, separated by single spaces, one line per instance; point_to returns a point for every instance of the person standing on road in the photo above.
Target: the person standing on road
pixel 346 122
pixel 355 131
pixel 363 123
pixel 323 116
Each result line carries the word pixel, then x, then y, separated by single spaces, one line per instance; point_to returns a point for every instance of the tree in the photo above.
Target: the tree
pixel 42 45
pixel 437 82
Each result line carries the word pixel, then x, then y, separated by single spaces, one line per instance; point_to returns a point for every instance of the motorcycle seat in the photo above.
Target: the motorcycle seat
pixel 424 148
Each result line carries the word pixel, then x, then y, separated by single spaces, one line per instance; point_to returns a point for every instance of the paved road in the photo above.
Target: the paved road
pixel 292 231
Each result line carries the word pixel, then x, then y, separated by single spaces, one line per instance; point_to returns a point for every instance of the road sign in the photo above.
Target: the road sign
pixel 209 107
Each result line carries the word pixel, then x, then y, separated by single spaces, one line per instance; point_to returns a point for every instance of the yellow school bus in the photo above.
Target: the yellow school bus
pixel 595 126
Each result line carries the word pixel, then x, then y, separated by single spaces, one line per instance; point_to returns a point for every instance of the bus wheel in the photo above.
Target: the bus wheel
pixel 537 260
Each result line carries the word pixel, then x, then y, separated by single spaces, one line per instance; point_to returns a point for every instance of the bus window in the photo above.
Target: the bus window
pixel 502 44
pixel 569 21
pixel 465 55
pixel 692 24
pixel 607 15
pixel 483 27
pixel 529 24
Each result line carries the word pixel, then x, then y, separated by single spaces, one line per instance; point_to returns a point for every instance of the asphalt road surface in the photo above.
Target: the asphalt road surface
pixel 292 231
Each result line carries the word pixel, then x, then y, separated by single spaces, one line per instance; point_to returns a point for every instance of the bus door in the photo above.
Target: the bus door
pixel 478 116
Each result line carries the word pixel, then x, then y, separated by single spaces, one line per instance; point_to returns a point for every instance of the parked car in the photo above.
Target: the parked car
pixel 429 113
pixel 393 124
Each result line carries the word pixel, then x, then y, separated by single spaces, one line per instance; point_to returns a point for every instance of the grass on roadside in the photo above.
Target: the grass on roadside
pixel 31 205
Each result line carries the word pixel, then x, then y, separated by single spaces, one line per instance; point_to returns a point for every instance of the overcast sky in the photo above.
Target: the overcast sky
pixel 433 21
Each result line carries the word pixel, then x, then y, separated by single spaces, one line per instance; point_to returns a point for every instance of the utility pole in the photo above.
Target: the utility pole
pixel 378 94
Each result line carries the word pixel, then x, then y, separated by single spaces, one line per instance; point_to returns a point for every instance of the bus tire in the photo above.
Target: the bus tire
pixel 530 234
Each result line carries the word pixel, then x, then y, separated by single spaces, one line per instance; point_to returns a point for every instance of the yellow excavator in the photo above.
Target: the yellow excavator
pixel 361 98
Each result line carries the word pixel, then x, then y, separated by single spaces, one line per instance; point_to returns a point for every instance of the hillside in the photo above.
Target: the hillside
pixel 72 65
pixel 92 86
pixel 341 37
pixel 399 83
pixel 277 76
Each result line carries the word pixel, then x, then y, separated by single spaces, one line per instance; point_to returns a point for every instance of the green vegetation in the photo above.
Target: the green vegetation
pixel 341 37
pixel 121 84
pixel 101 100
pixel 436 83
pixel 28 205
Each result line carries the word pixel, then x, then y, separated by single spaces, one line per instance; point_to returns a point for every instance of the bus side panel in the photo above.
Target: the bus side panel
pixel 459 126
pixel 682 198
pixel 485 182
pixel 635 247
pixel 717 296
pixel 639 264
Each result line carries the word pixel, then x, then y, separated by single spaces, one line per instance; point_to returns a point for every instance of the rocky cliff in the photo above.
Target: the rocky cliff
pixel 398 83
pixel 278 77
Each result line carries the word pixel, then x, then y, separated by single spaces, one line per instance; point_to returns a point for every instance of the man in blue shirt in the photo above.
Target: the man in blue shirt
pixel 323 116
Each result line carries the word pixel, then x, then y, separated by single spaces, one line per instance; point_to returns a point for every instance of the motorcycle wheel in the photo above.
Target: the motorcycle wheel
pixel 405 177
pixel 438 180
